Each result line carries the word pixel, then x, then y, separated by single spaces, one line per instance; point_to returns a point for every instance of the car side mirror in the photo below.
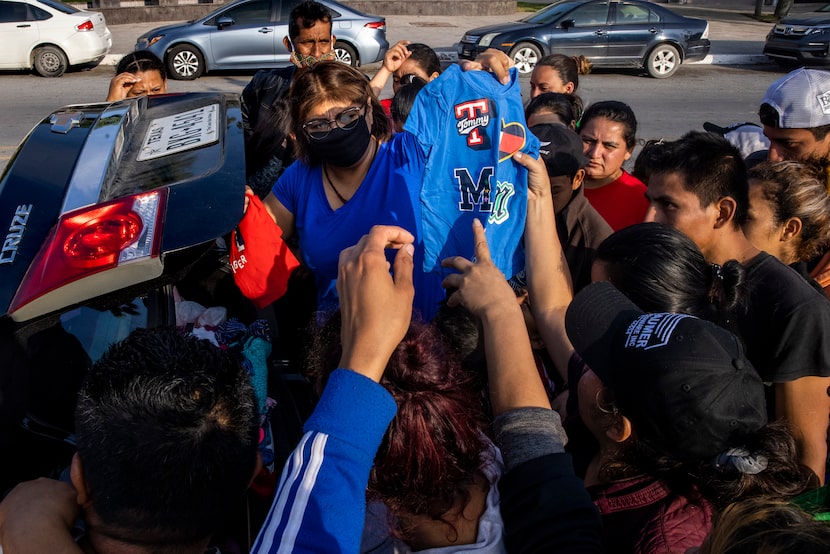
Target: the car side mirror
pixel 224 21
pixel 567 24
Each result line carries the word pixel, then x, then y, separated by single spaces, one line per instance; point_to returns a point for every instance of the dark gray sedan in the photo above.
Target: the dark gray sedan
pixel 247 34
pixel 626 34
pixel 801 39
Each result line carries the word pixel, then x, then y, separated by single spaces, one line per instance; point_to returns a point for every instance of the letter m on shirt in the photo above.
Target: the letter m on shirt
pixel 474 193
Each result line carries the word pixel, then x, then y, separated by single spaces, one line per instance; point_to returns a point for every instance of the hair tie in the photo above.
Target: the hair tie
pixel 741 460
pixel 718 271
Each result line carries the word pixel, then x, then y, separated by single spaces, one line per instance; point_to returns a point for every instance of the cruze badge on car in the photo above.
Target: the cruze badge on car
pixel 15 234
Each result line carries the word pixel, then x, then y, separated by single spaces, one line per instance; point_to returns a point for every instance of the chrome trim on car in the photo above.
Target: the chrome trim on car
pixel 104 146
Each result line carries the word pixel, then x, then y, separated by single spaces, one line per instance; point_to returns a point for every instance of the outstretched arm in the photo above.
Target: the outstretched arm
pixel 482 289
pixel 548 278
pixel 544 506
pixel 320 502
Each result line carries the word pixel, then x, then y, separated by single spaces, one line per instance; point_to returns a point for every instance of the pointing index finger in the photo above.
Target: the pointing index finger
pixel 481 248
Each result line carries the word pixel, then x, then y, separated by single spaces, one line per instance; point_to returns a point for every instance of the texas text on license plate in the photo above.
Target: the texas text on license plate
pixel 180 132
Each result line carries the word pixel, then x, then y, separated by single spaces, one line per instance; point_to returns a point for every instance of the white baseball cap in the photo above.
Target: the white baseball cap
pixel 801 98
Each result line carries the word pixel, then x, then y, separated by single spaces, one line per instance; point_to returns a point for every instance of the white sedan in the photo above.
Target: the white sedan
pixel 50 36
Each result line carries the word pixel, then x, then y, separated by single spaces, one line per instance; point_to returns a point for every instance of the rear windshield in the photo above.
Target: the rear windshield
pixel 60 6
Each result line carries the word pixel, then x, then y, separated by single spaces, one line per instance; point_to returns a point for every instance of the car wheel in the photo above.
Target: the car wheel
pixel 525 56
pixel 50 61
pixel 185 62
pixel 346 54
pixel 663 61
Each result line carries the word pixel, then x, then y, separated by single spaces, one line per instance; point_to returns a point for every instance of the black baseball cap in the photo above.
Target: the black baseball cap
pixel 561 149
pixel 683 382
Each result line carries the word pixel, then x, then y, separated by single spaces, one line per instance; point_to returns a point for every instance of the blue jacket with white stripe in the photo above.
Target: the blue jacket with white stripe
pixel 320 502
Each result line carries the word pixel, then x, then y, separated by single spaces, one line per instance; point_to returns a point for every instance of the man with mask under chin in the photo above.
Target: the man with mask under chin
pixel 310 41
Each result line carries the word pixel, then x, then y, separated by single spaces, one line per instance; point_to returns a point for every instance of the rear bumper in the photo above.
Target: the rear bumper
pixel 371 49
pixel 697 50
pixel 88 47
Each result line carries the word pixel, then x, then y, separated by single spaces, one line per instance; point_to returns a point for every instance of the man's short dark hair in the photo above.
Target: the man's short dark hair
pixel 167 433
pixel 305 15
pixel 769 117
pixel 710 166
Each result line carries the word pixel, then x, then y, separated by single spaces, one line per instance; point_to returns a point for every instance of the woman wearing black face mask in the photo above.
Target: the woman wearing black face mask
pixel 350 175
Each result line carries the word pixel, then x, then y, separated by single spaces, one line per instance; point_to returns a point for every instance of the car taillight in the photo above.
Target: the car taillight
pixel 91 240
pixel 376 25
pixel 85 26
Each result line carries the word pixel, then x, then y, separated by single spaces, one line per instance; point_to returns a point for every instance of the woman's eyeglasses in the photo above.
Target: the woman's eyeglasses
pixel 319 129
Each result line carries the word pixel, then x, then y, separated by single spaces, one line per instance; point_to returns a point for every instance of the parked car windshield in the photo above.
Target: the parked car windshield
pixel 825 8
pixel 60 6
pixel 548 14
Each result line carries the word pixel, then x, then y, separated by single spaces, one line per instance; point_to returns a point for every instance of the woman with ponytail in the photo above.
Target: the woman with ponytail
pixel 661 270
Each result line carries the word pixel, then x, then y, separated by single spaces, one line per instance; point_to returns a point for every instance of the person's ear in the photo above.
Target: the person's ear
pixel 725 211
pixel 628 154
pixel 333 40
pixel 620 431
pixel 569 87
pixel 433 76
pixel 287 43
pixel 579 176
pixel 790 230
pixel 76 475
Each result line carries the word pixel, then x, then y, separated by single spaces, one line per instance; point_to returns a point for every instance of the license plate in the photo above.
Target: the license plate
pixel 180 132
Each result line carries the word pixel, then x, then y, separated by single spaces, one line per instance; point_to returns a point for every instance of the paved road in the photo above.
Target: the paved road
pixel 665 108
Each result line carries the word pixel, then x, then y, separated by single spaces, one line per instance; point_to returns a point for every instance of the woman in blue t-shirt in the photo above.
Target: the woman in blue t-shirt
pixel 352 174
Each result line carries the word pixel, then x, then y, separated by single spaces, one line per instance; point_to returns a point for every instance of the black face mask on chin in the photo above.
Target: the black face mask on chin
pixel 341 147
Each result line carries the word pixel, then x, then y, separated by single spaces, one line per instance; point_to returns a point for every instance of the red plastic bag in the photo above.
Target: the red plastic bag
pixel 260 259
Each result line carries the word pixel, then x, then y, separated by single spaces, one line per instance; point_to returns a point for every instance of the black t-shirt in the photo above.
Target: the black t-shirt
pixel 786 325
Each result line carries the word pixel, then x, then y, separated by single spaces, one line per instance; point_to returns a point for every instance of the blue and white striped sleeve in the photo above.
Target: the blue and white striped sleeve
pixel 320 502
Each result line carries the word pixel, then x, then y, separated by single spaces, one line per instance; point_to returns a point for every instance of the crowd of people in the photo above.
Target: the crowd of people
pixel 517 345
